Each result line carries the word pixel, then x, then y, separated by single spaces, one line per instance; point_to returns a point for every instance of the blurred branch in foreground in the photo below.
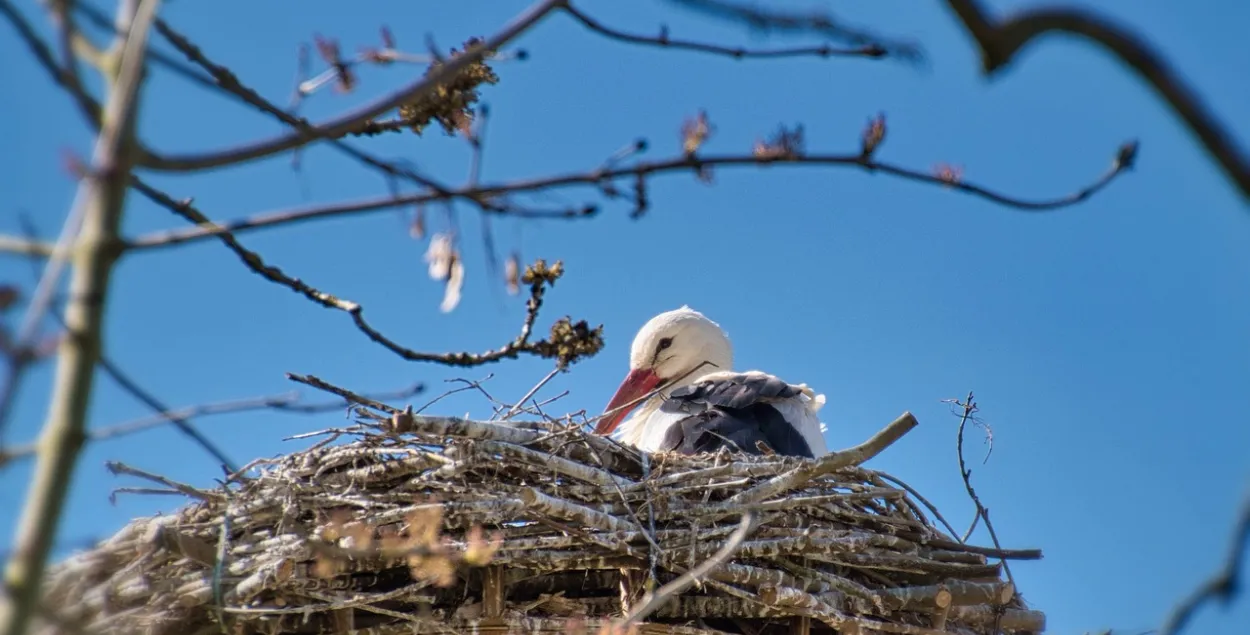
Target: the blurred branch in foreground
pixel 100 203
pixel 1225 585
pixel 999 40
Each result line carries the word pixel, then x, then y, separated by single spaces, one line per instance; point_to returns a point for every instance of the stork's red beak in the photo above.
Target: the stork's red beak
pixel 638 383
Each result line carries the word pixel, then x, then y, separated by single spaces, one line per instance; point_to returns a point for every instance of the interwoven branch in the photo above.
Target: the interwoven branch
pixel 429 499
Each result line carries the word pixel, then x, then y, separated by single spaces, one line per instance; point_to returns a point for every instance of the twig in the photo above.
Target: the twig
pixel 180 421
pixel 654 601
pixel 117 467
pixel 521 403
pixel 469 385
pixel 969 407
pixel 43 54
pixel 596 177
pixel 126 383
pixel 930 506
pixel 1224 585
pixel 346 394
pixel 102 203
pixel 288 402
pixel 738 52
pixel 226 81
pixel 254 262
pixel 343 124
pixel 1000 40
pixel 831 462
pixel 823 23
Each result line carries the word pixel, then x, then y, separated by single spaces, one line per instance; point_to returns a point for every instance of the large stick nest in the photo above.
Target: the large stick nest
pixel 433 524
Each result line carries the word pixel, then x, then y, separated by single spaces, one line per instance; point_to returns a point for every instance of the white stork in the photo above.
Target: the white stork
pixel 704 404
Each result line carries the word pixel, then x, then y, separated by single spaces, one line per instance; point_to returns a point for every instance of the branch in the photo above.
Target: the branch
pixel 823 23
pixel 227 82
pixel 871 50
pixel 126 382
pixel 969 407
pixel 999 42
pixel 600 176
pixel 24 247
pixel 654 601
pixel 181 422
pixel 831 462
pixel 567 343
pixel 66 79
pixel 103 194
pixel 286 402
pixel 346 123
pixel 1224 585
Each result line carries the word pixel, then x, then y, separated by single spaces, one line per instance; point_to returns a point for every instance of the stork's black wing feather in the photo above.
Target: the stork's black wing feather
pixel 735 391
pixel 733 412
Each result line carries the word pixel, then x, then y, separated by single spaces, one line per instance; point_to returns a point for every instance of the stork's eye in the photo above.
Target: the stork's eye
pixel 665 343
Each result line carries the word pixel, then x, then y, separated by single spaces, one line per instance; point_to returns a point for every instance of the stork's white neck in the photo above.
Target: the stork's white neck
pixel 636 429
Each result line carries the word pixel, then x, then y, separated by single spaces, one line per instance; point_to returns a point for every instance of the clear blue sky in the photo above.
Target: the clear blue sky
pixel 1107 343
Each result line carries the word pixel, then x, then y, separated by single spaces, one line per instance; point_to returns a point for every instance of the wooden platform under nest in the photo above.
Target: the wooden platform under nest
pixel 439 525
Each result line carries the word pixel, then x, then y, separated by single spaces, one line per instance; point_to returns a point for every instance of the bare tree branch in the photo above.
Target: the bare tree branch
pixel 43 54
pixel 228 83
pixel 824 23
pixel 286 402
pixel 969 407
pixel 603 175
pixel 871 50
pixel 1000 40
pixel 1224 585
pixel 183 423
pixel 567 343
pixel 343 124
pixel 103 201
pixel 127 383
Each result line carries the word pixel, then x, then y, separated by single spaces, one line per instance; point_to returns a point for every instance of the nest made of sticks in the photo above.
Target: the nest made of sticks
pixel 423 524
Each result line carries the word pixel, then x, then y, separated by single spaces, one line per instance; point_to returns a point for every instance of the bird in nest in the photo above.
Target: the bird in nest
pixel 701 404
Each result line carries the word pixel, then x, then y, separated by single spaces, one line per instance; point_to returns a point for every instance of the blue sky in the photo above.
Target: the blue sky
pixel 1107 342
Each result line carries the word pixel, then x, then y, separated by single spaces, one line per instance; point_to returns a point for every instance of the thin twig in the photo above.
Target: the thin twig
pixel 822 23
pixel 229 83
pixel 596 177
pixel 736 52
pixel 654 601
pixel 930 506
pixel 127 383
pixel 253 261
pixel 180 421
pixel 969 408
pixel 287 402
pixel 537 387
pixel 117 467
pixel 43 54
pixel 343 124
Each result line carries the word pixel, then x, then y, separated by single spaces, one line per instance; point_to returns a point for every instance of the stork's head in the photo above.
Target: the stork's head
pixel 672 349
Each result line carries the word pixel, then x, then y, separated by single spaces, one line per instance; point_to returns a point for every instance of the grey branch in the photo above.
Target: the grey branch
pixel 102 195
pixel 654 601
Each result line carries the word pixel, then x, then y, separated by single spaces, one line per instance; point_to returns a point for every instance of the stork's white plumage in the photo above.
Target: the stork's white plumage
pixel 704 404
